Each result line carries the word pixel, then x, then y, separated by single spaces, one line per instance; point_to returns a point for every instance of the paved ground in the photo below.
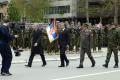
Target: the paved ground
pixel 25 56
pixel 52 72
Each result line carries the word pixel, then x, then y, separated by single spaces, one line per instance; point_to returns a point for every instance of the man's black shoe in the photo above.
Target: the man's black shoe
pixel 93 64
pixel 81 66
pixel 43 65
pixel 27 66
pixel 105 65
pixel 67 64
pixel 5 74
pixel 61 66
pixel 9 74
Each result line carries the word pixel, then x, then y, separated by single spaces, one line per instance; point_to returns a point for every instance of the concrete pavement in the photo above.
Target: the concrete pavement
pixel 52 72
pixel 71 55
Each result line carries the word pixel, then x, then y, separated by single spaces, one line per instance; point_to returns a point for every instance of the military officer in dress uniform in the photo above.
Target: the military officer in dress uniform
pixel 85 44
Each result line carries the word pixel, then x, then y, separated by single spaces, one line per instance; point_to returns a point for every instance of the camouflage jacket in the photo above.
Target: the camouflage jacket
pixel 113 38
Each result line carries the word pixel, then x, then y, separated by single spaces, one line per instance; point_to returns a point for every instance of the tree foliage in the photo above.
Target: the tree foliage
pixel 33 9
pixel 13 13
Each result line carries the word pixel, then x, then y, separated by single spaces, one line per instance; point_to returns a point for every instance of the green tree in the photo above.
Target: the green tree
pixel 33 9
pixel 112 6
pixel 13 13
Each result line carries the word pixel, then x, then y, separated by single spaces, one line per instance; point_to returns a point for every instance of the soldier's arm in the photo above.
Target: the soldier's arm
pixel 118 38
pixel 7 35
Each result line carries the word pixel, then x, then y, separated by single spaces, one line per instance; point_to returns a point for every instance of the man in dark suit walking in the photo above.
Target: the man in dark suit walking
pixel 37 47
pixel 63 42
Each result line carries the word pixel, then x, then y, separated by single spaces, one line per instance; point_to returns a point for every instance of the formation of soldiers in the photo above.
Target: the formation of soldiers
pixel 99 38
pixel 82 37
pixel 71 37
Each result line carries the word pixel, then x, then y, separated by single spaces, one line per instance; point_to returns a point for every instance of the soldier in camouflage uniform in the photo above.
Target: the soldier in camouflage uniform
pixel 15 44
pixel 99 36
pixel 94 38
pixel 72 36
pixel 77 36
pixel 118 29
pixel 105 39
pixel 113 44
pixel 30 31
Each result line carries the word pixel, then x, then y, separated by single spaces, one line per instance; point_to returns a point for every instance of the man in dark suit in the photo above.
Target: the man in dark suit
pixel 5 38
pixel 37 47
pixel 63 42
pixel 85 36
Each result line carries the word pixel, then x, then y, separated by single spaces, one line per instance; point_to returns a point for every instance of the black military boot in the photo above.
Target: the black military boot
pixel 105 65
pixel 80 66
pixel 116 65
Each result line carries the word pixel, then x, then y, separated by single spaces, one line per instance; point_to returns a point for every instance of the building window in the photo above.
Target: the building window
pixel 59 9
pixel 95 4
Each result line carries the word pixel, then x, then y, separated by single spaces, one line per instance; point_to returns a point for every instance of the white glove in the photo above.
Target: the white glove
pixel 35 44
pixel 16 36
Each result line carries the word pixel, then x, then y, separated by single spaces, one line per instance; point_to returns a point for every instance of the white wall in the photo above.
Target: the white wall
pixel 72 4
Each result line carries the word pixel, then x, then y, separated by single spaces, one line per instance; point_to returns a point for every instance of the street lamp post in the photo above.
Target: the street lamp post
pixel 87 11
pixel 116 12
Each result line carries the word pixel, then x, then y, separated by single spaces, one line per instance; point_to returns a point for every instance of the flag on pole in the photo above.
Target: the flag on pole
pixel 52 31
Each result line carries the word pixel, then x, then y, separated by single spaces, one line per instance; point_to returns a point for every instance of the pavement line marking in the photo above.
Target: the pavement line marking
pixel 87 75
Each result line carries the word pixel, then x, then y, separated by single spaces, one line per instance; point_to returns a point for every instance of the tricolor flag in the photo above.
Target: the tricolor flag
pixel 52 31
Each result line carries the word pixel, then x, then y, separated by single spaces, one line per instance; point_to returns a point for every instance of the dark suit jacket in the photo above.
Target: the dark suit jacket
pixel 37 38
pixel 5 36
pixel 63 37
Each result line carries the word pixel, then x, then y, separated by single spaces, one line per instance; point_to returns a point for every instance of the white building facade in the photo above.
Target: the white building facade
pixel 62 9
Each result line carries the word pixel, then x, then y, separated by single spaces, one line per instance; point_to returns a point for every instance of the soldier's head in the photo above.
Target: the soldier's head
pixel 79 23
pixel 6 22
pixel 66 23
pixel 112 26
pixel 35 27
pixel 62 25
pixel 58 24
pixel 72 24
pixel 85 26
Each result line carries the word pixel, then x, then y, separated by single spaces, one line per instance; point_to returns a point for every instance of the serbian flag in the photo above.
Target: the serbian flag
pixel 52 31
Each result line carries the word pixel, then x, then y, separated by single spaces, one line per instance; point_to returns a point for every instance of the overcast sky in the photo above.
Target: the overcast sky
pixel 3 0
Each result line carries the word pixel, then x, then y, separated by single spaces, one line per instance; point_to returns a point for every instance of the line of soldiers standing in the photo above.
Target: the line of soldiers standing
pixel 87 37
pixel 24 41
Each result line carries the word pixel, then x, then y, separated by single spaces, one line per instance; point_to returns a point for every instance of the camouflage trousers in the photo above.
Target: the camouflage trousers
pixel 109 53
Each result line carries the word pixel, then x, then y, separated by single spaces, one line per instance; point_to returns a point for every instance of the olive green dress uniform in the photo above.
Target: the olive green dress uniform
pixel 85 44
